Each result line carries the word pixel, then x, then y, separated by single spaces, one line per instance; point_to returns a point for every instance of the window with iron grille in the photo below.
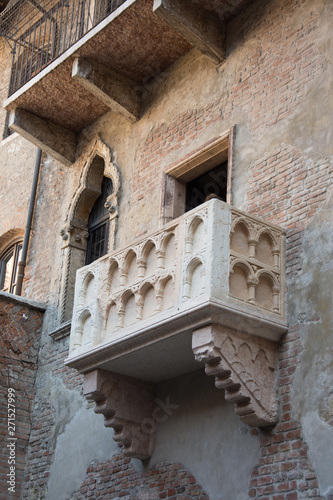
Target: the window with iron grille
pixel 98 224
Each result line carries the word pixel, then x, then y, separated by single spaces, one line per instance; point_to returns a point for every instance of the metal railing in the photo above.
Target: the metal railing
pixel 50 29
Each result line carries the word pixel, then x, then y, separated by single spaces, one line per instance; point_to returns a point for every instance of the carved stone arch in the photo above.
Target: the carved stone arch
pixel 193 264
pixel 110 316
pixel 145 285
pixel 111 281
pixel 163 281
pixel 240 220
pixel 243 265
pixel 164 290
pixel 146 303
pixel 84 316
pixel 96 163
pixel 192 230
pixel 264 230
pixel 196 220
pixel 127 313
pixel 241 280
pixel 147 247
pixel 126 264
pixel 268 289
pixel 270 275
pixel 166 237
pixel 241 236
pixel 128 258
pixel 267 249
pixel 147 266
pixel 87 279
pixel 166 249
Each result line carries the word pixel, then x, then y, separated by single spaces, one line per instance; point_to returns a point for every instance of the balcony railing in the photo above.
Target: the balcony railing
pixel 214 264
pixel 47 30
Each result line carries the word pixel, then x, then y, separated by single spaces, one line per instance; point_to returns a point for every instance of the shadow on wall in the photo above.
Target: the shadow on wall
pixel 204 434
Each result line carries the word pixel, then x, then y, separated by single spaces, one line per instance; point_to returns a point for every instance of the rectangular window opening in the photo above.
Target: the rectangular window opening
pixel 205 174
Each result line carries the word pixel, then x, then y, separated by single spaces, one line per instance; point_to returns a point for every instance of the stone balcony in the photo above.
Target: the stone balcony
pixel 205 290
pixel 111 63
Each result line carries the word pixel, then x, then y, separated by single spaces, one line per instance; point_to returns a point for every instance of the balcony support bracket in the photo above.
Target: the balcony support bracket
pixel 51 138
pixel 111 88
pixel 127 405
pixel 200 28
pixel 245 367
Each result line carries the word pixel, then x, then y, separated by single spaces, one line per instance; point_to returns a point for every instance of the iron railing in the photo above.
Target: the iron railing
pixel 50 29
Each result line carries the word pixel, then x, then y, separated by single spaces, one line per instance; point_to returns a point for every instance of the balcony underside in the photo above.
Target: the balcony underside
pixel 136 43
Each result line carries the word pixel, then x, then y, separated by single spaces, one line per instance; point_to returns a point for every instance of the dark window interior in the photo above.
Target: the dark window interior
pixel 213 182
pixel 98 224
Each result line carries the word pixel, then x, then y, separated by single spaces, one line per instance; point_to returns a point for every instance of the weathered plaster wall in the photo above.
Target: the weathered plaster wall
pixel 200 431
pixel 311 309
pixel 17 160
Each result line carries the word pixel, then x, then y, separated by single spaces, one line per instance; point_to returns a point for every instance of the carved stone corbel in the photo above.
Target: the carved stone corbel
pixel 245 367
pixel 126 403
pixel 75 236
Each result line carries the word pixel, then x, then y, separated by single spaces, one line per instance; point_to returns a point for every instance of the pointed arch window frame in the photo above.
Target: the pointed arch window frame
pixel 75 231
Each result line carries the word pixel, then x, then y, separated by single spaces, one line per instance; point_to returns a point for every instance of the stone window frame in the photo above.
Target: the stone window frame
pixel 96 164
pixel 198 162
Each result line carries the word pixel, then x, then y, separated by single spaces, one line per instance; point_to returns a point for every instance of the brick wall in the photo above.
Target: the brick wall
pixel 284 471
pixel 266 85
pixel 20 327
pixel 118 479
pixel 287 188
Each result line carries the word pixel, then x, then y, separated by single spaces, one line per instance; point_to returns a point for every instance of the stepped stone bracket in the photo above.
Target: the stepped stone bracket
pixel 51 138
pixel 245 367
pixel 111 88
pixel 200 28
pixel 127 405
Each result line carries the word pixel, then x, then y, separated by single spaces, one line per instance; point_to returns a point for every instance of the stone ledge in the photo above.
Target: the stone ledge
pixel 61 331
pixel 33 304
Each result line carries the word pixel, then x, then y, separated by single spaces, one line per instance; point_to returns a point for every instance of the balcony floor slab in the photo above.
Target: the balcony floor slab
pixel 162 349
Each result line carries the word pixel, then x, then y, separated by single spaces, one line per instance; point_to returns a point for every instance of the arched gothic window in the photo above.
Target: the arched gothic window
pixel 9 260
pixel 83 220
pixel 98 224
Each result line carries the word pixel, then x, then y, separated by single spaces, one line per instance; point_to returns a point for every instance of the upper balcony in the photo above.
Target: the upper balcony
pixel 206 289
pixel 74 60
